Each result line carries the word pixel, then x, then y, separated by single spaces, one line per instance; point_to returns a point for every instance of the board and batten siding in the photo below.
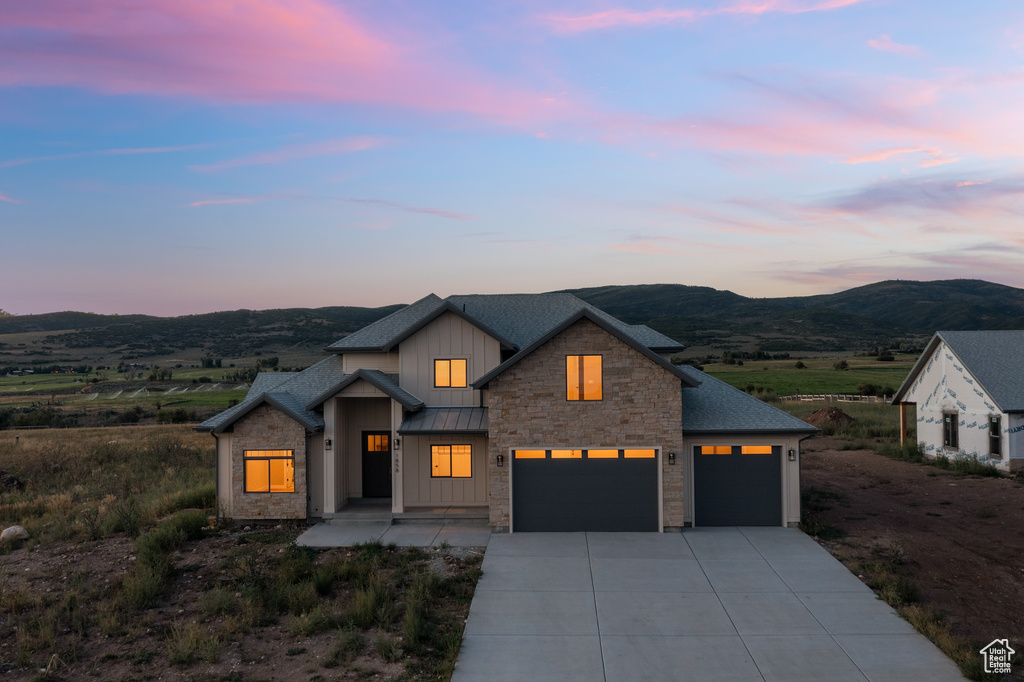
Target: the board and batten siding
pixel 945 385
pixel 421 490
pixel 448 336
pixel 385 362
pixel 315 471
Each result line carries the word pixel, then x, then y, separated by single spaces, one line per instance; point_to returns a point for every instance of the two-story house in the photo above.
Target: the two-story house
pixel 540 409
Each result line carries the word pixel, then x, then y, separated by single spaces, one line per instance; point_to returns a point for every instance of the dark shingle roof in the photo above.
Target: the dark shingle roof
pixel 516 320
pixel 385 382
pixel 717 407
pixel 994 358
pixel 446 420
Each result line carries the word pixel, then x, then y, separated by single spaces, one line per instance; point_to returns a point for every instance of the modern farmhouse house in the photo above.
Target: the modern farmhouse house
pixel 969 391
pixel 538 409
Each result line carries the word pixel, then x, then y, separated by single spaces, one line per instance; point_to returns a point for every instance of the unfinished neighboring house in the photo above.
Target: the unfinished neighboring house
pixel 539 410
pixel 968 388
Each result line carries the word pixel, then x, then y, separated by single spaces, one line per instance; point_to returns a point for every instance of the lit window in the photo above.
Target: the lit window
pixel 756 449
pixel 450 373
pixel 451 461
pixel 566 454
pixel 583 377
pixel 531 454
pixel 716 450
pixel 377 442
pixel 951 430
pixel 269 471
pixel 602 454
pixel 995 446
pixel 638 454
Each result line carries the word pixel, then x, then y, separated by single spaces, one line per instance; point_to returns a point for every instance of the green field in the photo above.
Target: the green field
pixel 819 376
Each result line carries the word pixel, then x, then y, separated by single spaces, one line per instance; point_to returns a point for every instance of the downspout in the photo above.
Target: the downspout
pixel 216 476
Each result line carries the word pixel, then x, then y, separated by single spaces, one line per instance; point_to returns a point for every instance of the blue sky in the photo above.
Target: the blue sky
pixel 184 156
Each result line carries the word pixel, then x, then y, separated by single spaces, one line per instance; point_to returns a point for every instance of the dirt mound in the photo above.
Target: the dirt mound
pixel 829 416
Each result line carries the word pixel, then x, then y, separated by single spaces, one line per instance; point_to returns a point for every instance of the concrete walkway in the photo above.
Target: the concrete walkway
pixel 420 534
pixel 707 604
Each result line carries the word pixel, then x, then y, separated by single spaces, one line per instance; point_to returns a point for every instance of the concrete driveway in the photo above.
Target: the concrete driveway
pixel 707 604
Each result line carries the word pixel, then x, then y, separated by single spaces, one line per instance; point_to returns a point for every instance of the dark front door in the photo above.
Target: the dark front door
pixel 376 464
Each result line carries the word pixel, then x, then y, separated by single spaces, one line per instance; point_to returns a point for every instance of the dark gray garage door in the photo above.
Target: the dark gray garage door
pixel 584 490
pixel 737 486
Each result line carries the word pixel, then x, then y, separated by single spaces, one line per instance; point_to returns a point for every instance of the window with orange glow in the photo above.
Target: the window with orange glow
pixel 638 454
pixel 451 461
pixel 756 449
pixel 531 454
pixel 377 442
pixel 583 377
pixel 450 373
pixel 566 454
pixel 716 450
pixel 602 454
pixel 269 471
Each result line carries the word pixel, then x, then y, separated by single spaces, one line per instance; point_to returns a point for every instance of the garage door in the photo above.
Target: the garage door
pixel 737 485
pixel 584 490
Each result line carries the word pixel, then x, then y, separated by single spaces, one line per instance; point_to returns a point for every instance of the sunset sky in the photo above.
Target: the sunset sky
pixel 184 156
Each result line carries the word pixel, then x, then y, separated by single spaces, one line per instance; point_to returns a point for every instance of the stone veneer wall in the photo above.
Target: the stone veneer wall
pixel 267 428
pixel 642 406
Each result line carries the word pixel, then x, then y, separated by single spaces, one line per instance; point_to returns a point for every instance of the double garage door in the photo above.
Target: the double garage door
pixel 617 490
pixel 585 490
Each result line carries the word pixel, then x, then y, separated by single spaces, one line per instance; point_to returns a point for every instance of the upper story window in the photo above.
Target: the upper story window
pixel 951 430
pixel 583 377
pixel 450 373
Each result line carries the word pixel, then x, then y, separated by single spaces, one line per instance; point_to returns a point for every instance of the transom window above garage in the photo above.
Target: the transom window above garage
pixel 602 453
pixel 451 461
pixel 583 377
pixel 450 373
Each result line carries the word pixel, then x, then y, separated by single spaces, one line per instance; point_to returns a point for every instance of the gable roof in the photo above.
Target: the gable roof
pixel 604 324
pixel 301 387
pixel 994 358
pixel 715 407
pixel 384 382
pixel 515 320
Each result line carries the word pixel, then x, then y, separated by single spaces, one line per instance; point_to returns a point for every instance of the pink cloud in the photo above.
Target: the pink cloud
pixel 624 17
pixel 245 51
pixel 10 163
pixel 937 158
pixel 213 202
pixel 7 199
pixel 440 213
pixel 971 183
pixel 885 44
pixel 340 145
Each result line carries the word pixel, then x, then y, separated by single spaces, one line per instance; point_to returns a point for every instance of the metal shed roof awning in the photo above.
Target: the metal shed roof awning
pixel 445 420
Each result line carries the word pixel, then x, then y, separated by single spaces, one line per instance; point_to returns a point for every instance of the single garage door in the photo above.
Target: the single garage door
pixel 737 485
pixel 584 490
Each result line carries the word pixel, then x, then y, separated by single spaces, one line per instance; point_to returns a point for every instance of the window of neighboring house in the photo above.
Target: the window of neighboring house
pixel 450 373
pixel 951 430
pixel 583 377
pixel 995 443
pixel 269 471
pixel 451 461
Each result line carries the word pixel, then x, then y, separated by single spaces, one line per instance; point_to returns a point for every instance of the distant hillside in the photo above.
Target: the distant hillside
pixel 699 317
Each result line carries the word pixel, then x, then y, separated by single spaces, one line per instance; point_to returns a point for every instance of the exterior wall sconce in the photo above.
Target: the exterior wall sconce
pixel 327 443
pixel 501 460
pixel 792 455
pixel 672 458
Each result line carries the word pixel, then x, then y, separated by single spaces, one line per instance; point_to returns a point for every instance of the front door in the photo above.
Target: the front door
pixel 376 464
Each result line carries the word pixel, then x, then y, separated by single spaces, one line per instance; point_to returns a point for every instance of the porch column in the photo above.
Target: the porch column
pixel 397 464
pixel 330 421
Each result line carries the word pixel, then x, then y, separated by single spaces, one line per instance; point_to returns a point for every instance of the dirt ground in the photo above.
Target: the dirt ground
pixel 142 649
pixel 960 538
